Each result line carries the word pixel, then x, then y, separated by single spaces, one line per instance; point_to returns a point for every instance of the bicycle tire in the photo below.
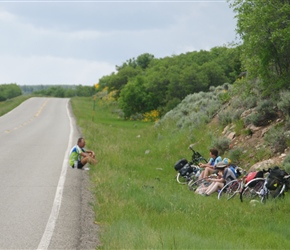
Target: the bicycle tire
pixel 195 184
pixel 230 190
pixel 181 179
pixel 274 194
pixel 280 192
pixel 252 189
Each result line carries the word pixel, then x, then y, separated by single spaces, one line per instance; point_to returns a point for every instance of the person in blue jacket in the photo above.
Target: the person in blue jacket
pixel 209 167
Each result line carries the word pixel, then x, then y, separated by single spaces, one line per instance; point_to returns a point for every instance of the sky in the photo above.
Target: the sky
pixel 78 42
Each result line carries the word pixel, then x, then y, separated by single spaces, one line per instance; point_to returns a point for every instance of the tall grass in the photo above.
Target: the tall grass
pixel 138 203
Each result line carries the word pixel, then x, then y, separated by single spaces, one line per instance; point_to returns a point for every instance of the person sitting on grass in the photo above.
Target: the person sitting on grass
pixel 209 167
pixel 225 175
pixel 79 156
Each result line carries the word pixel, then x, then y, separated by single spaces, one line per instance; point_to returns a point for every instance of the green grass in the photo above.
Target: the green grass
pixel 139 205
pixel 10 104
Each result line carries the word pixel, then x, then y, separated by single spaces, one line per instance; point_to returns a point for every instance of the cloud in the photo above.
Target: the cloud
pixel 43 70
pixel 87 36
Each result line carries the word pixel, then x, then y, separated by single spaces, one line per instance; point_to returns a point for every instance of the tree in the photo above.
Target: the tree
pixel 119 80
pixel 144 60
pixel 264 27
pixel 134 98
pixel 214 72
pixel 9 91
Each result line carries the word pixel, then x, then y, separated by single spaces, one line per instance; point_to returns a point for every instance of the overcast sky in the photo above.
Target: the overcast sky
pixel 78 42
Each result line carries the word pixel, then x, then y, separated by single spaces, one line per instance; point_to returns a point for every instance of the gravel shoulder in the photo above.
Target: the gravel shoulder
pixel 89 230
pixel 75 227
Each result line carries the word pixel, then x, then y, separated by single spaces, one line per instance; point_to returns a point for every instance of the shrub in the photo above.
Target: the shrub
pixel 276 139
pixel 287 124
pixel 222 144
pixel 151 116
pixel 284 103
pixel 236 114
pixel 195 110
pixel 242 102
pixel 235 155
pixel 286 163
pixel 136 117
pixel 264 114
pixel 225 117
pixel 224 96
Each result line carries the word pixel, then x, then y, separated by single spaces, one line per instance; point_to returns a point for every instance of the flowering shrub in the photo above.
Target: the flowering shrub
pixel 106 97
pixel 151 116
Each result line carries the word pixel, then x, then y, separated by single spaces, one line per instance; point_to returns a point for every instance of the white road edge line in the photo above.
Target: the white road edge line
pixel 47 235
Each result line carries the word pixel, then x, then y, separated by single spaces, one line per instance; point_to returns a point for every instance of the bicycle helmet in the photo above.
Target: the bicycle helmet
pixel 227 161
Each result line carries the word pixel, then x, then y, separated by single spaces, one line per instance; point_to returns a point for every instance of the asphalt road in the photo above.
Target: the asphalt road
pixel 43 202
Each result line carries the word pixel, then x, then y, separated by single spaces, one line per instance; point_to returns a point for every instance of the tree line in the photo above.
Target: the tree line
pixel 8 91
pixel 263 55
pixel 147 83
pixel 59 90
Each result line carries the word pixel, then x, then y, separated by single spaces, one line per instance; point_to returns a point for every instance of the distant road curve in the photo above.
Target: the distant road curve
pixel 42 199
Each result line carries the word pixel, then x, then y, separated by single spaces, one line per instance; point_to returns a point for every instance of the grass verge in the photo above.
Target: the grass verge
pixel 139 205
pixel 10 104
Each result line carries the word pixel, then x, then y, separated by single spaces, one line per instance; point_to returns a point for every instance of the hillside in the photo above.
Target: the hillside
pixel 251 131
pixel 252 143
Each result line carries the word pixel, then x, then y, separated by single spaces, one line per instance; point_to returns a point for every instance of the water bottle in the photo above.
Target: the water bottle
pixel 262 192
pixel 197 173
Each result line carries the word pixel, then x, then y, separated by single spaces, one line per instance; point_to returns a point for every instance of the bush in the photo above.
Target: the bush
pixel 276 139
pixel 284 103
pixel 236 114
pixel 8 91
pixel 286 164
pixel 287 124
pixel 195 110
pixel 235 155
pixel 241 102
pixel 222 144
pixel 225 117
pixel 264 114
pixel 224 96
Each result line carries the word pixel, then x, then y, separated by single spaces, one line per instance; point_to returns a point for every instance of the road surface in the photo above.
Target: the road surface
pixel 43 202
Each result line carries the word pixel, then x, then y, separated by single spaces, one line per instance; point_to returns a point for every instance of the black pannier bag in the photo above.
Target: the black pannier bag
pixel 186 170
pixel 180 164
pixel 275 178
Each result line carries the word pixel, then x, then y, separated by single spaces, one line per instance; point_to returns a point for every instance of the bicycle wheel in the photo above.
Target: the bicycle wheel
pixel 181 179
pixel 193 185
pixel 230 190
pixel 279 192
pixel 253 189
pixel 274 194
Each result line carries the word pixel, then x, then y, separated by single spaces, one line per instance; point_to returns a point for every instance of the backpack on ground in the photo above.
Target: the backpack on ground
pixel 235 170
pixel 275 178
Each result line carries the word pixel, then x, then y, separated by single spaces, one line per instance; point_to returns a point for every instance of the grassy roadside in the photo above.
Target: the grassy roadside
pixel 139 205
pixel 10 104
